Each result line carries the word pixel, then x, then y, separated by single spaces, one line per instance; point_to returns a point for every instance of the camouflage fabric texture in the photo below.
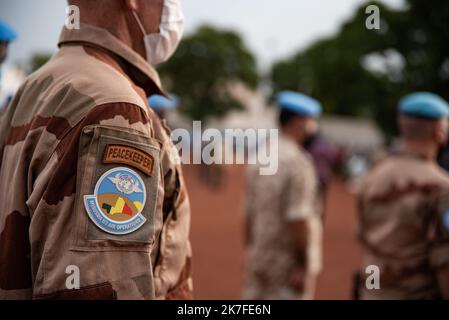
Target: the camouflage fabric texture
pixel 273 202
pixel 403 206
pixel 90 96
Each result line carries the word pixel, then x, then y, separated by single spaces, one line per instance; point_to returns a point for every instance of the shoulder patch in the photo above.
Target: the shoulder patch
pixel 118 200
pixel 122 154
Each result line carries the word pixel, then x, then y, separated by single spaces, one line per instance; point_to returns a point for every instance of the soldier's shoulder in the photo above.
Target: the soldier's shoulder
pixel 75 67
pixel 396 167
pixel 73 83
pixel 440 175
pixel 384 168
pixel 404 173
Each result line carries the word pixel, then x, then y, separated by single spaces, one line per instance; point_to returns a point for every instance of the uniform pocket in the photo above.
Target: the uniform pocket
pixel 119 191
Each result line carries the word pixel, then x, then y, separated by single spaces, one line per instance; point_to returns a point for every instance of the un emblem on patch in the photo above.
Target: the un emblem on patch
pixel 117 203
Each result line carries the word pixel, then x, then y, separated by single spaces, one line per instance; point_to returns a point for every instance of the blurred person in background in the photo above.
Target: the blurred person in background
pixel 86 177
pixel 283 224
pixel 162 105
pixel 404 209
pixel 443 158
pixel 7 35
pixel 326 159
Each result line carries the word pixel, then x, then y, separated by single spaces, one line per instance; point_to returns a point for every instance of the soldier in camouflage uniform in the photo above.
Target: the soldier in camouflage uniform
pixel 283 221
pixel 7 35
pixel 162 105
pixel 87 175
pixel 404 209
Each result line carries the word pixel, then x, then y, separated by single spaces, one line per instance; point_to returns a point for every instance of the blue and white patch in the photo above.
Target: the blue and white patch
pixel 117 203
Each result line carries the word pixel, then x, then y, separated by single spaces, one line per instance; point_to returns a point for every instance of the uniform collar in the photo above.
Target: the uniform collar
pixel 143 74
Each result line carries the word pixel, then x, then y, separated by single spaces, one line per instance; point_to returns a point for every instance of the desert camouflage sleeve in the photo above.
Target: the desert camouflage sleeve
pixel 301 191
pixel 152 262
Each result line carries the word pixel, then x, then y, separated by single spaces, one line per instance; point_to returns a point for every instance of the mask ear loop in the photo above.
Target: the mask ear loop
pixel 142 28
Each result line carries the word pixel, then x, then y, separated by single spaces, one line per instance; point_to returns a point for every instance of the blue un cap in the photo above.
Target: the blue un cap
pixel 161 103
pixel 299 103
pixel 7 34
pixel 424 104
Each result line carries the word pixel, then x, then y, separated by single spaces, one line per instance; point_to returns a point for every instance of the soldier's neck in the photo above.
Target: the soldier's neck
pixel 423 149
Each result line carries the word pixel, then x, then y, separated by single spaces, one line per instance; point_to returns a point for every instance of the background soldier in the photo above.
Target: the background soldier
pixel 161 104
pixel 86 176
pixel 283 225
pixel 404 208
pixel 7 35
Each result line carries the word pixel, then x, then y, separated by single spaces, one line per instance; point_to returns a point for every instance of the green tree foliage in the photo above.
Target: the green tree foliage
pixel 202 68
pixel 412 48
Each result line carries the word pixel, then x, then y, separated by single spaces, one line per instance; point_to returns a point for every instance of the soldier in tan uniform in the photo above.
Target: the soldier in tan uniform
pixel 283 223
pixel 7 35
pixel 163 105
pixel 87 180
pixel 404 210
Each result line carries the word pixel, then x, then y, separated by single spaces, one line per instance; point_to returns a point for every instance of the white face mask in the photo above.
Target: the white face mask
pixel 161 46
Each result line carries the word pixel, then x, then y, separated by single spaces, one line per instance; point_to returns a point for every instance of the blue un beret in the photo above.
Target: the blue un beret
pixel 299 103
pixel 7 34
pixel 158 102
pixel 424 104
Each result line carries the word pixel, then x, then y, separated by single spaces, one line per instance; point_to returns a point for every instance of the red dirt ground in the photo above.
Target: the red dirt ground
pixel 217 238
